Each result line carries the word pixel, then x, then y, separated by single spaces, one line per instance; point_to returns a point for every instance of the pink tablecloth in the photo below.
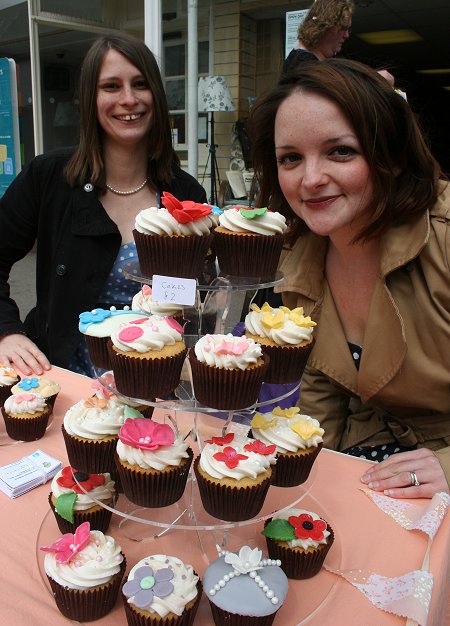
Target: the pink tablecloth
pixel 365 538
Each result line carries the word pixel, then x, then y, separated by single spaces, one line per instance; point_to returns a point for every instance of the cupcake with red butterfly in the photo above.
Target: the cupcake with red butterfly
pixel 233 476
pixel 300 539
pixel 174 240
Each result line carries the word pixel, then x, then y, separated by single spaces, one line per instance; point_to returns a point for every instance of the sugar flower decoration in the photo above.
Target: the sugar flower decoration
pixel 69 545
pixel 185 211
pixel 307 428
pixel 79 481
pixel 145 434
pixel 248 559
pixel 94 316
pixel 29 383
pixel 306 527
pixel 95 403
pixel 251 214
pixel 101 390
pixel 289 413
pixel 148 584
pixel 230 457
pixel 262 423
pixel 296 315
pixel 221 441
pixel 231 347
pixel 259 447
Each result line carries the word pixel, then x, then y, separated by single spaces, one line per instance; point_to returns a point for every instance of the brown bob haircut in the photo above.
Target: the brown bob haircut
pixel 324 14
pixel 86 165
pixel 405 175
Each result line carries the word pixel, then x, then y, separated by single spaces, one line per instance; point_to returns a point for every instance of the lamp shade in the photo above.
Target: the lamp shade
pixel 214 95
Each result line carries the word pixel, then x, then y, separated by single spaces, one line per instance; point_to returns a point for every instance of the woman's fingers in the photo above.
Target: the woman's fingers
pixel 22 354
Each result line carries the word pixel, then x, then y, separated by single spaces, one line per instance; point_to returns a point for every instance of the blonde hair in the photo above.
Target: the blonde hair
pixel 324 14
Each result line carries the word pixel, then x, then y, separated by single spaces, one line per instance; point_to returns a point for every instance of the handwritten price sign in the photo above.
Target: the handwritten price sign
pixel 174 290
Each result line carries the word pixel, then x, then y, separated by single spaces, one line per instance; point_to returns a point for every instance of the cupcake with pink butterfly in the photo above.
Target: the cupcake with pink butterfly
pixel 147 357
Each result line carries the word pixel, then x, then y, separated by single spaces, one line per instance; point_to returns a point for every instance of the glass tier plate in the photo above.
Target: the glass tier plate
pixel 199 549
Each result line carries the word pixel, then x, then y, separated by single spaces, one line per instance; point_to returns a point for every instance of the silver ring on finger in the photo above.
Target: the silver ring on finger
pixel 414 480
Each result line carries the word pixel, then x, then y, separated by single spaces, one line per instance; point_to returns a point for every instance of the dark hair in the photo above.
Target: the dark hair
pixel 87 162
pixel 324 14
pixel 405 174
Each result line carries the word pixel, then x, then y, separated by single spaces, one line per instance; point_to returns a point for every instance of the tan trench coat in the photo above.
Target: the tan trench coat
pixel 402 389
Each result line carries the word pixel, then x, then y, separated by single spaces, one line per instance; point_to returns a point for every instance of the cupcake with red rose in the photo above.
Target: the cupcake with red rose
pixel 26 416
pixel 147 357
pixel 153 462
pixel 298 440
pixel 233 476
pixel 300 539
pixel 248 241
pixel 8 378
pixel 227 371
pixel 173 240
pixel 45 387
pixel 77 497
pixel 85 571
pixel 285 335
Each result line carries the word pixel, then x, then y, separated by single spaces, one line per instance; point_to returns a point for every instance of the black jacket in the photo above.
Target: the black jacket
pixel 77 244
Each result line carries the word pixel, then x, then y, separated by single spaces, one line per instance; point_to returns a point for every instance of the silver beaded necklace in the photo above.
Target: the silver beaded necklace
pixel 130 192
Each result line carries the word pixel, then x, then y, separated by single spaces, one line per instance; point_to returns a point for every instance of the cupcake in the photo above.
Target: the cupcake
pixel 143 301
pixel 97 326
pixel 285 335
pixel 301 539
pixel 298 441
pixel 74 499
pixel 147 357
pixel 26 416
pixel 90 430
pixel 43 386
pixel 248 242
pixel 173 240
pixel 153 463
pixel 161 590
pixel 105 387
pixel 85 570
pixel 244 588
pixel 233 476
pixel 8 377
pixel 227 371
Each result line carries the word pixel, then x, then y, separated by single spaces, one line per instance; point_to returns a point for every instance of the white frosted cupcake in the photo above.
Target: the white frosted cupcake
pixel 143 301
pixel 161 590
pixel 233 476
pixel 153 462
pixel 26 416
pixel 48 389
pixel 298 440
pixel 227 371
pixel 85 570
pixel 8 378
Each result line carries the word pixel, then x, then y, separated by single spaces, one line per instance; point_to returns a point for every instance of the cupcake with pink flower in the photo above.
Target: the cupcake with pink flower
pixel 300 539
pixel 153 462
pixel 26 416
pixel 174 240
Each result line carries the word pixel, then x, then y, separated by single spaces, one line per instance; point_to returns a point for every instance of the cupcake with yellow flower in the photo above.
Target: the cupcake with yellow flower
pixel 298 440
pixel 285 335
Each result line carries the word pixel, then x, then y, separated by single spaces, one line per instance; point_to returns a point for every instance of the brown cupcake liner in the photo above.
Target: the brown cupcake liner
pixel 293 470
pixel 299 565
pixel 26 429
pixel 90 604
pixel 146 378
pixel 172 256
pixel 231 504
pixel 185 619
pixel 226 389
pixel 225 618
pixel 157 489
pixel 248 255
pixel 99 519
pixel 93 457
pixel 98 351
pixel 286 363
pixel 146 410
pixel 5 392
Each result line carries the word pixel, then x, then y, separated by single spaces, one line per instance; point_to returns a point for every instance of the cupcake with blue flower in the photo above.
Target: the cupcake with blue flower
pixel 45 387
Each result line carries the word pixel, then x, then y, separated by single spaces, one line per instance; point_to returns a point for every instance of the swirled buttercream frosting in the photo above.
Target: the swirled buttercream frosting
pixel 86 559
pixel 152 333
pixel 8 376
pixel 282 325
pixel 288 429
pixel 102 322
pixel 159 222
pixel 299 528
pixel 68 481
pixel 150 445
pixel 236 457
pixel 260 221
pixel 227 351
pixel 161 584
pixel 97 418
pixel 143 301
pixel 25 403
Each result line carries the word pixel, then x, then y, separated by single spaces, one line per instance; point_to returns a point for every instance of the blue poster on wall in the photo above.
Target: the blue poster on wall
pixel 9 124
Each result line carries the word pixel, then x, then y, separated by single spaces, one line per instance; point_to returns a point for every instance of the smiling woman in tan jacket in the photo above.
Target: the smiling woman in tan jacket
pixel 340 154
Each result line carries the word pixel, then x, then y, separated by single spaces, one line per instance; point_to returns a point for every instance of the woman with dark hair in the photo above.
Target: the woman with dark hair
pixel 339 153
pixel 80 206
pixel 322 33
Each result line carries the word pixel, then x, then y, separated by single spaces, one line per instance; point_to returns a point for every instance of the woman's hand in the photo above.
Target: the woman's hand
pixel 22 354
pixel 396 475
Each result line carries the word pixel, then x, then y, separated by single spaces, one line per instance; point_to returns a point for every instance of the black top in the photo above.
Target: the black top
pixel 295 57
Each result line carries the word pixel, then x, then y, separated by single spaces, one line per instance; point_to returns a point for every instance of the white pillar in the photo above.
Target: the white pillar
pixel 153 27
pixel 192 88
pixel 35 78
